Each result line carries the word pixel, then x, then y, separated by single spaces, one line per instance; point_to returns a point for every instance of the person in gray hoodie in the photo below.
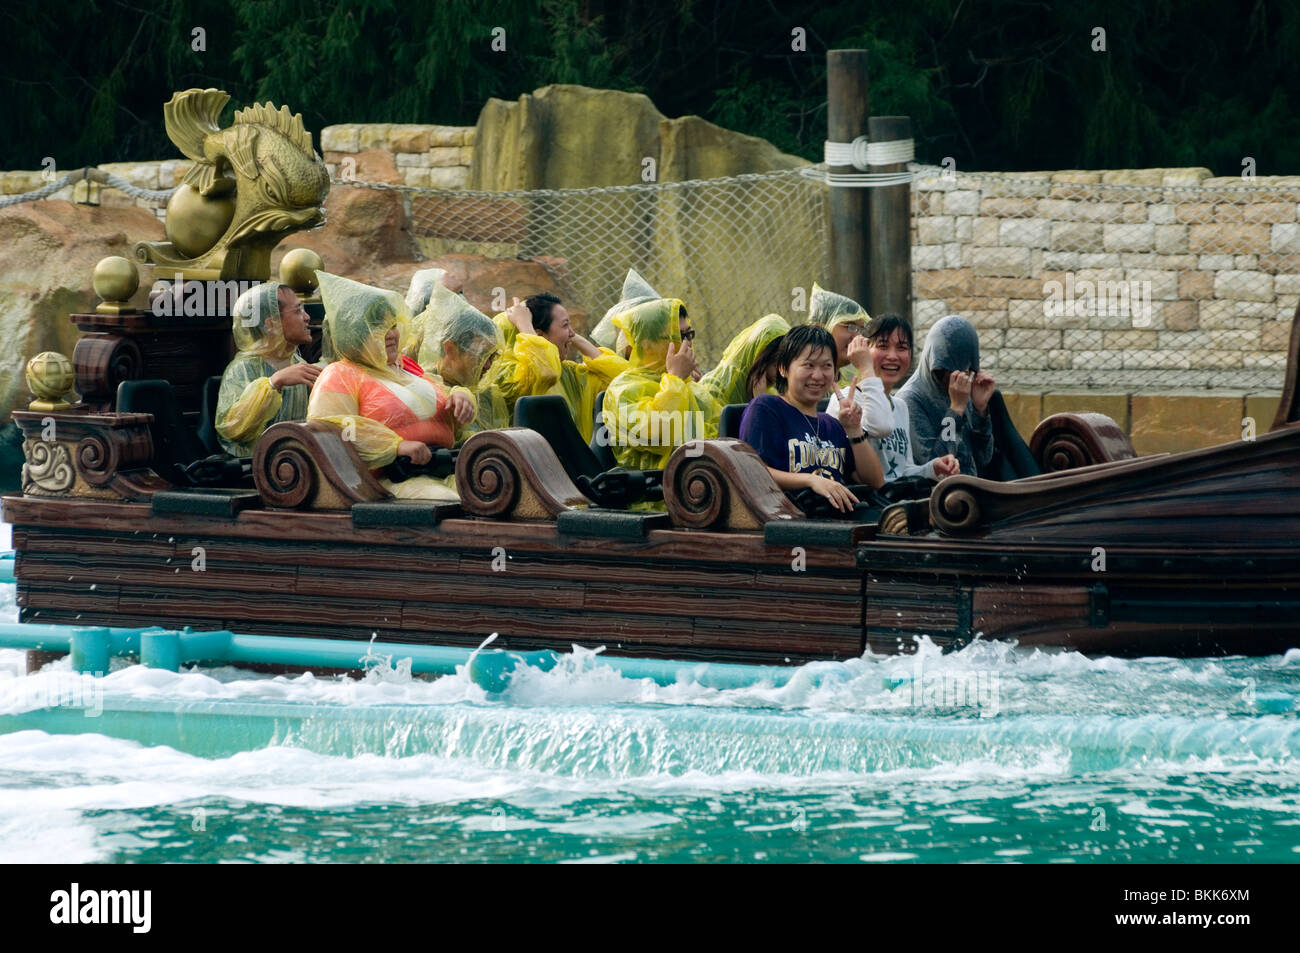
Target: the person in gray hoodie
pixel 948 397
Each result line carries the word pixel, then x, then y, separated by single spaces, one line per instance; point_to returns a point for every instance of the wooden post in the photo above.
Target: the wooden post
pixel 890 229
pixel 846 118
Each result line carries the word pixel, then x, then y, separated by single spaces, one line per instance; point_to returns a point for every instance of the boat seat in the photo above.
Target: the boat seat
pixel 205 501
pixel 179 456
pixel 729 422
pixel 600 439
pixel 208 415
pixel 598 523
pixel 610 486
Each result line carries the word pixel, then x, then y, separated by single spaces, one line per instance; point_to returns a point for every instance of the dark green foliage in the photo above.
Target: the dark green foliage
pixel 996 84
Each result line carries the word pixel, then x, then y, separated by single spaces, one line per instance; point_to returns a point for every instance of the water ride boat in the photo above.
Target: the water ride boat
pixel 127 518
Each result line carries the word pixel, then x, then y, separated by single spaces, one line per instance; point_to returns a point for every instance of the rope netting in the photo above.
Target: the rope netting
pixel 732 248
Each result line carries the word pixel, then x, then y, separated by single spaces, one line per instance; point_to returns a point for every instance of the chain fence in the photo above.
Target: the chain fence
pixel 1145 280
pixel 1160 281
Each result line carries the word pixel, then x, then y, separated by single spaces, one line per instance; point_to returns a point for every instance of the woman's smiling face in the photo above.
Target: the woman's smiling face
pixel 892 357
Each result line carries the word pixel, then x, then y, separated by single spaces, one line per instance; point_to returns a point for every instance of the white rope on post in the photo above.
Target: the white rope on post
pixel 861 155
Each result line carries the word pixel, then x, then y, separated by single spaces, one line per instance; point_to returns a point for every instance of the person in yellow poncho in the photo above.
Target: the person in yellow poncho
pixel 423 284
pixel 383 409
pixel 550 366
pixel 636 290
pixel 267 381
pixel 847 321
pixel 654 406
pixel 748 365
pixel 459 345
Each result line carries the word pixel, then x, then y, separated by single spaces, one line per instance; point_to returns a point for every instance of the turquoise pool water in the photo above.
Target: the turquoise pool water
pixel 990 754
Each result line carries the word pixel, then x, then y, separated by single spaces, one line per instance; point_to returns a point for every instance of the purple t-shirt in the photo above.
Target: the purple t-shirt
pixel 788 439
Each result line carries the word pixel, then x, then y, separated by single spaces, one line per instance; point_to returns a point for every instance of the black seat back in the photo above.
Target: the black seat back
pixel 208 415
pixel 600 438
pixel 548 414
pixel 174 444
pixel 729 423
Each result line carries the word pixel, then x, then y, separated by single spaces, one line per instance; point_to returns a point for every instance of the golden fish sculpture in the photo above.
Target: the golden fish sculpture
pixel 252 183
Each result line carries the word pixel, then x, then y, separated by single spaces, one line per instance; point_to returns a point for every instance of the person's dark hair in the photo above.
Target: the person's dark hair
pixel 542 308
pixel 762 364
pixel 796 341
pixel 882 328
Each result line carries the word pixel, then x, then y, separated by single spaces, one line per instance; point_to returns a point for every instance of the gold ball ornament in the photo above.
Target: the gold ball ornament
pixel 50 375
pixel 115 279
pixel 196 222
pixel 298 270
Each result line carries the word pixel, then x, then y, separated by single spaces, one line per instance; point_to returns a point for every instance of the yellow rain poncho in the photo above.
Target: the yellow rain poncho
pixel 423 283
pixel 729 381
pixel 449 318
pixel 377 404
pixel 247 403
pixel 828 310
pixel 636 290
pixel 649 412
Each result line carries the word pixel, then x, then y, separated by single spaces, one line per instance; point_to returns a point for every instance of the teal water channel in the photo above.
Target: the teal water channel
pixel 991 754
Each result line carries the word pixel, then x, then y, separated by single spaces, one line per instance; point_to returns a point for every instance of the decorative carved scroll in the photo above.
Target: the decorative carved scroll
pixel 722 484
pixel 309 465
pixel 102 361
pixel 1067 441
pixel 513 474
pixel 83 454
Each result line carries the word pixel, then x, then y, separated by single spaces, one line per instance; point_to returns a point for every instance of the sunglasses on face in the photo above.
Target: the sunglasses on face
pixel 688 335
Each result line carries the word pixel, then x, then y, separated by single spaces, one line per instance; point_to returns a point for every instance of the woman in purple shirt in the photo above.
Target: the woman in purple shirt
pixel 804 449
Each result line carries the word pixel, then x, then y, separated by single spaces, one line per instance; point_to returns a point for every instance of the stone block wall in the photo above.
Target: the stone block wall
pixel 1123 280
pixel 436 157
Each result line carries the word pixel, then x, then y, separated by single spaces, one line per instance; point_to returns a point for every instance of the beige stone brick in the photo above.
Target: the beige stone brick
pixel 1034 358
pixel 961 202
pixel 1134 213
pixel 1122 340
pixel 1280 264
pixel 1243 286
pixel 1098 212
pixel 1057 209
pixel 1230 239
pixel 409 138
pixel 965 228
pixel 1128 237
pixel 1184 340
pixel 467 135
pixel 968 303
pixel 1029 232
pixel 1005 262
pixel 1215 360
pixel 952 254
pixel 926 257
pixel 444 157
pixel 1006 287
pixel 1061 260
pixel 372 135
pixel 985 232
pixel 417 177
pixel 1077 236
pixel 1171 262
pixel 1285 239
pixel 1162 214
pixel 1071 176
pixel 950 282
pixel 1026 313
pixel 1032 338
pixel 343 138
pixel 1176 422
pixel 1194 213
pixel 1182 315
pixel 1274 336
pixel 1255 309
pixel 1082 339
pixel 1164 284
pixel 1059 359
pixel 986 319
pixel 935 230
pixel 1286 284
pixel 1225 317
pixel 412 160
pixel 1132 176
pixel 1008 207
pixel 1215 262
pixel 443 136
pixel 1171 239
pixel 1183 177
pixel 1270 212
pixel 1263 360
pixel 456 177
pixel 1143 359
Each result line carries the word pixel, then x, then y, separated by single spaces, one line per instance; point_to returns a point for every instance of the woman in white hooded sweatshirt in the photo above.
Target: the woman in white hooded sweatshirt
pixel 888 341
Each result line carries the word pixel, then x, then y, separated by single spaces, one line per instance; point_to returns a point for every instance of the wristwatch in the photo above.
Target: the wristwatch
pixel 859 438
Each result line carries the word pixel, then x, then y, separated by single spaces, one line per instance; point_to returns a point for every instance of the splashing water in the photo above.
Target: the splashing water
pixel 992 753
